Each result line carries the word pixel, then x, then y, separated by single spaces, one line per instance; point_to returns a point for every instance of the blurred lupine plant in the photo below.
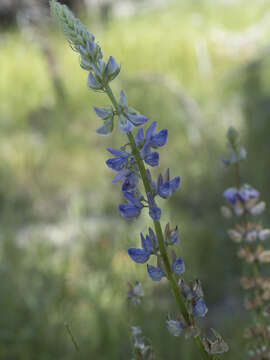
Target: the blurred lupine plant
pixel 129 162
pixel 243 205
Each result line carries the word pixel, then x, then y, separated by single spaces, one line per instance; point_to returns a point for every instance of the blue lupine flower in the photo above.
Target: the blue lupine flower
pixel 133 208
pixel 157 140
pixel 152 183
pixel 147 244
pixel 178 266
pixel 129 117
pixel 171 236
pixel 120 160
pixel 167 188
pixel 175 327
pixel 185 289
pixel 112 69
pixel 136 118
pixel 247 192
pixel 244 194
pixel 125 126
pixel 122 174
pixel 151 158
pixel 155 213
pixel 129 211
pixel 139 137
pixel 155 273
pixel 131 182
pixel 93 83
pixel 200 309
pixel 154 210
pixel 106 128
pixel 138 255
pixel 153 238
pixel 102 113
pixel 231 195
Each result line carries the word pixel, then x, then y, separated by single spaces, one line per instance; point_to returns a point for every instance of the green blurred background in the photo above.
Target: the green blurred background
pixel 196 67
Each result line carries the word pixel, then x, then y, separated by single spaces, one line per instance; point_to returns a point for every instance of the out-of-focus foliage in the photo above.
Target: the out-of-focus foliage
pixel 196 67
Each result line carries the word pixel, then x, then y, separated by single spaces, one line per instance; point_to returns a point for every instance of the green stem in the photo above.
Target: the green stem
pixel 163 251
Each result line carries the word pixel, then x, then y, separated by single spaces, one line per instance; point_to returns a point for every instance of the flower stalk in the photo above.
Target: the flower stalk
pixel 130 168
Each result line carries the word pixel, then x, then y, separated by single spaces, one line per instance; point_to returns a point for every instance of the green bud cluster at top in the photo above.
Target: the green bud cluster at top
pixel 129 163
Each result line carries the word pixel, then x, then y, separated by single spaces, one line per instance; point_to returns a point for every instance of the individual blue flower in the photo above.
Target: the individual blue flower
pixel 156 140
pixel 244 194
pixel 154 210
pixel 247 192
pixel 136 118
pixel 153 238
pixel 138 255
pixel 178 266
pixel 106 128
pixel 175 327
pixel 185 289
pixel 122 175
pixel 102 113
pixel 125 126
pixel 167 188
pixel 151 158
pixel 139 137
pixel 147 244
pixel 231 195
pixel 112 69
pixel 131 182
pixel 152 182
pixel 155 273
pixel 93 83
pixel 199 308
pixel 133 208
pixel 120 160
pixel 171 235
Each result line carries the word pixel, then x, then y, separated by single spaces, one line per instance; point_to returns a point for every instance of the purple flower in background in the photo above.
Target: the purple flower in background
pixel 231 195
pixel 175 327
pixel 245 193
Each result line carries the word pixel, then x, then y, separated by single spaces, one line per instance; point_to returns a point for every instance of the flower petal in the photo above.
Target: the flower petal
pixel 138 255
pixel 155 273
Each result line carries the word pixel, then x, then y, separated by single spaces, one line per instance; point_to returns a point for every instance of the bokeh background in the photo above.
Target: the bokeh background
pixel 196 67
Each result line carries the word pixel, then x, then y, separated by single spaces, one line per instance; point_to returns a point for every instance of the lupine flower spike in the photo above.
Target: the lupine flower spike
pixel 140 190
pixel 243 206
